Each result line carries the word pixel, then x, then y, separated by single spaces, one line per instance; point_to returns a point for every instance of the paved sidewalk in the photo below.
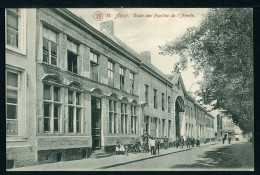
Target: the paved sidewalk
pixel 93 164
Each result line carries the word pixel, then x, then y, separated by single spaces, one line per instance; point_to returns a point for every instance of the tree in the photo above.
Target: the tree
pixel 221 49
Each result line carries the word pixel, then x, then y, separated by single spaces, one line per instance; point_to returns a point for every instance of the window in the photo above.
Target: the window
pixel 113 117
pixel 15 29
pixel 163 127
pixel 147 122
pixel 147 94
pixel 156 127
pixel 110 74
pixel 94 66
pixel 162 101
pixel 122 78
pixel 52 103
pixel 74 111
pixel 169 128
pixel 12 103
pixel 169 104
pixel 133 120
pixel 72 55
pixel 155 98
pixel 131 76
pixel 124 116
pixel 49 46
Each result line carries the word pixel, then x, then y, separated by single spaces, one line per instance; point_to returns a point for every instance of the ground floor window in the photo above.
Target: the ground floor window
pixel 133 120
pixel 147 122
pixel 74 111
pixel 169 128
pixel 52 107
pixel 113 117
pixel 124 119
pixel 163 127
pixel 13 105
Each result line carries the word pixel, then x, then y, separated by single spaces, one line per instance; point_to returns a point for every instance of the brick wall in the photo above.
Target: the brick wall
pixel 56 155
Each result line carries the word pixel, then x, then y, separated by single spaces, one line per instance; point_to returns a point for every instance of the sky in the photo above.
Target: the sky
pixel 144 33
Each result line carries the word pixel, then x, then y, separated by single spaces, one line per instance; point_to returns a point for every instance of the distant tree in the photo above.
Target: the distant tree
pixel 221 48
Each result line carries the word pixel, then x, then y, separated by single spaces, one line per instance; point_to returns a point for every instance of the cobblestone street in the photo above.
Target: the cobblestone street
pixel 238 155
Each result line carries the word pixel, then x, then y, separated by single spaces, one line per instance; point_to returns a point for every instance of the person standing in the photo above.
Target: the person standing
pixel 157 145
pixel 223 139
pixel 229 139
pixel 117 147
pixel 152 145
pixel 177 142
pixel 146 144
pixel 188 142
pixel 165 140
pixel 192 140
pixel 198 141
pixel 182 142
pixel 133 145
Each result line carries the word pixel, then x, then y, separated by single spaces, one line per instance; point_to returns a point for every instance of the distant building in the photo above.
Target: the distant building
pixel 228 128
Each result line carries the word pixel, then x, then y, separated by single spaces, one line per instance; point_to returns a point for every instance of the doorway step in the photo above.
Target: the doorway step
pixel 99 154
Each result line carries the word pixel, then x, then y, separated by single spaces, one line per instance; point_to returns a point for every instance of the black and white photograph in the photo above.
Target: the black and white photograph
pixel 129 89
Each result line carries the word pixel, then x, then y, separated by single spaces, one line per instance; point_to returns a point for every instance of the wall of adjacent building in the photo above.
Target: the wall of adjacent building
pixel 21 149
pixel 149 110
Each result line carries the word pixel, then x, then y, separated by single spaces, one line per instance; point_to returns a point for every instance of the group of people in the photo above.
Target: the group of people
pixel 153 144
pixel 225 138
pixel 121 149
pixel 190 141
pixel 146 144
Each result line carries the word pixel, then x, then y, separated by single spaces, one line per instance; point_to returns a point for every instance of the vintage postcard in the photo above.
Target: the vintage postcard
pixel 129 89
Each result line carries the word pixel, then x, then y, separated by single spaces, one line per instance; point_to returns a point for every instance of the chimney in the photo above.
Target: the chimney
pixel 147 56
pixel 108 26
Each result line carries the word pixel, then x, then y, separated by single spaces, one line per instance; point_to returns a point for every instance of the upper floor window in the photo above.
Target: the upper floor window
pixel 49 46
pixel 94 66
pixel 13 105
pixel 162 101
pixel 155 98
pixel 113 117
pixel 72 56
pixel 132 76
pixel 122 78
pixel 52 109
pixel 169 104
pixel 15 29
pixel 147 94
pixel 74 111
pixel 110 73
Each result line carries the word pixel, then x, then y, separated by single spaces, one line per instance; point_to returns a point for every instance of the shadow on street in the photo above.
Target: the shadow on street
pixel 240 155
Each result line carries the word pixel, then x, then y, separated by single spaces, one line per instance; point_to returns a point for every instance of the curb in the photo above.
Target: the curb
pixel 138 160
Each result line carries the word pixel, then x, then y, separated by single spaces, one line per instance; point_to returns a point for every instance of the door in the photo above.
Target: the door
pixel 96 123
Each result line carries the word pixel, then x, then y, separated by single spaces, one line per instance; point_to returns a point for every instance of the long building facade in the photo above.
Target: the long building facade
pixel 72 89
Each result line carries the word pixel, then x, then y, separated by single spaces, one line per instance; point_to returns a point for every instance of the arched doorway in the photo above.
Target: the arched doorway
pixel 179 107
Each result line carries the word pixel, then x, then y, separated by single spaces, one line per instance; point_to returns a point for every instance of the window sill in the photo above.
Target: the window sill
pixel 15 139
pixel 17 50
pixel 59 134
pixel 50 65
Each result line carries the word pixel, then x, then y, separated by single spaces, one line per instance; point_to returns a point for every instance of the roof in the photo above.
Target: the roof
pixel 133 52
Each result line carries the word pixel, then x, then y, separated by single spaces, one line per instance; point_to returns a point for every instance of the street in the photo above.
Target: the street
pixel 215 155
pixel 235 156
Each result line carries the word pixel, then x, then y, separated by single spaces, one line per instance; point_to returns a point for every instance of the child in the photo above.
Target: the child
pixel 126 150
